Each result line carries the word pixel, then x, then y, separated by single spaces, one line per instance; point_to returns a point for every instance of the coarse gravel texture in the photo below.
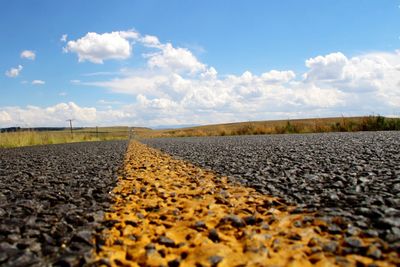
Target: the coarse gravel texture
pixel 355 176
pixel 52 198
pixel 168 212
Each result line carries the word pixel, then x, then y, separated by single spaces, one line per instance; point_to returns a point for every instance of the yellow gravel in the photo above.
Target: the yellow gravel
pixel 168 212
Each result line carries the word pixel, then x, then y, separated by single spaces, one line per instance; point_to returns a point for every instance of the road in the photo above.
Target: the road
pixel 352 175
pixel 52 198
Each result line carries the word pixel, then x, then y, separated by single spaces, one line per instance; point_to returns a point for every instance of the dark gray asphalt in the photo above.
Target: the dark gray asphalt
pixel 52 199
pixel 352 175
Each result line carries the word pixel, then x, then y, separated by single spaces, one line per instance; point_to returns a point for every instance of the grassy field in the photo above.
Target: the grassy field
pixel 30 137
pixel 338 124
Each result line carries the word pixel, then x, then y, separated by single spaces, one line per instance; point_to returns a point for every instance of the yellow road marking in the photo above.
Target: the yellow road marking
pixel 168 212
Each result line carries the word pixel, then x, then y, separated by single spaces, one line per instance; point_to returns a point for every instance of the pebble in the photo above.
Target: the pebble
pixel 215 260
pixel 168 242
pixel 213 236
pixel 353 242
pixel 330 246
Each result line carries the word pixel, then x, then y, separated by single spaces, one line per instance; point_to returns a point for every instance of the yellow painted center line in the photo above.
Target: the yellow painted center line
pixel 168 212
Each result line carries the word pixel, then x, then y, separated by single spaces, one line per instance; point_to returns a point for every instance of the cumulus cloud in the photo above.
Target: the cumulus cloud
pixel 38 82
pixel 48 116
pixel 96 47
pixel 192 92
pixel 150 40
pixel 275 76
pixel 175 59
pixel 14 72
pixel 28 54
pixel 374 76
pixel 175 87
pixel 5 118
pixel 329 67
pixel 57 115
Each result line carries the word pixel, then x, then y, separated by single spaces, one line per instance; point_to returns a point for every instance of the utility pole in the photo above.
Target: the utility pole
pixel 70 126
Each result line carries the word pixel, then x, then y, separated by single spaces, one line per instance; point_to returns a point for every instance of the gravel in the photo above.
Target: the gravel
pixel 352 180
pixel 52 200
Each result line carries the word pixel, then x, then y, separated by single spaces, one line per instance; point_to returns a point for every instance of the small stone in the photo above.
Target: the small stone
pixel 200 225
pixel 353 242
pixel 174 263
pixel 334 197
pixel 374 252
pixel 118 242
pixel 109 223
pixel 250 220
pixel 68 260
pixel 276 244
pixel 334 229
pixel 215 260
pixel 3 256
pixel 371 233
pixel 265 226
pixel 353 231
pixel 213 236
pixel 234 220
pixel 314 242
pixel 294 236
pixel 140 215
pixel 150 248
pixel 330 247
pixel 297 224
pixel 168 242
pixel 83 237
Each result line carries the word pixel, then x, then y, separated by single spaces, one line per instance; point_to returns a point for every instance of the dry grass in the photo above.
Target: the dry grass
pixel 338 124
pixel 31 138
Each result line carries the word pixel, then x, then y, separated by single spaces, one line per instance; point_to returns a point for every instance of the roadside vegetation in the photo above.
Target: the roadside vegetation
pixel 323 125
pixel 31 137
pixel 340 124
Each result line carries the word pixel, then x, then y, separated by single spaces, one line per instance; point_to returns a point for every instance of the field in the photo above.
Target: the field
pixel 31 137
pixel 315 125
pixel 338 124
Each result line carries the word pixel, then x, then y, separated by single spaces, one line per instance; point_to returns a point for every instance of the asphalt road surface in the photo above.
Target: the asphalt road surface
pixel 355 176
pixel 52 198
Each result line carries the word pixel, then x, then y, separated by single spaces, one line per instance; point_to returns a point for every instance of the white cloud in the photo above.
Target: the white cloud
pixel 374 76
pixel 175 59
pixel 329 67
pixel 28 54
pixel 48 116
pixel 64 38
pixel 5 118
pixel 62 94
pixel 175 87
pixel 275 76
pixel 14 72
pixel 108 102
pixel 38 82
pixel 332 85
pixel 150 40
pixel 96 47
pixel 57 115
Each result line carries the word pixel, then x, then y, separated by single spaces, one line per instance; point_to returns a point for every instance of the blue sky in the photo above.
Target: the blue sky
pixel 156 63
